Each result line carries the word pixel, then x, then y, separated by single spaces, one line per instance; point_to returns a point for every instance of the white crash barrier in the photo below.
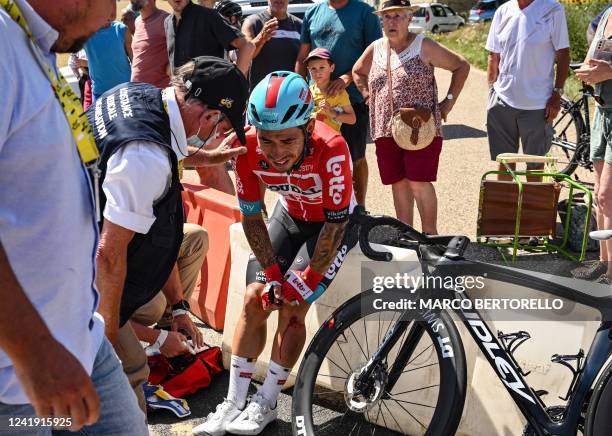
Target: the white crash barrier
pixel 489 410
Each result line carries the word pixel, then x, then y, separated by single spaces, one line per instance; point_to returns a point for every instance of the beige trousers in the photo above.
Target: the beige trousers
pixel 191 256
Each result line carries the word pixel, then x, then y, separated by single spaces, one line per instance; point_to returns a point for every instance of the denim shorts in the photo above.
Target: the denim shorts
pixel 601 135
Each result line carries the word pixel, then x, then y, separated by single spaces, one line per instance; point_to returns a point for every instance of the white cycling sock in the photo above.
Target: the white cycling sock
pixel 241 371
pixel 274 382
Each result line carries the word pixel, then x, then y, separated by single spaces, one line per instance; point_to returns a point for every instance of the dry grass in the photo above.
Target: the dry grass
pixel 62 59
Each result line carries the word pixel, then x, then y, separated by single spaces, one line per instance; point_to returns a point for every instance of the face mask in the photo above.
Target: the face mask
pixel 196 141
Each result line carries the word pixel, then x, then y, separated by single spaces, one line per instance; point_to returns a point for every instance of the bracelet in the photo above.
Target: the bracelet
pixel 161 339
pixel 179 312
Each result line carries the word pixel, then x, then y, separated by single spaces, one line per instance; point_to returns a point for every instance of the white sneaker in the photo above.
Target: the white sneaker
pixel 216 423
pixel 254 417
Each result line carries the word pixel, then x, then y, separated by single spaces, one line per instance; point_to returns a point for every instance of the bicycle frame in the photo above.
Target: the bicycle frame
pixel 501 361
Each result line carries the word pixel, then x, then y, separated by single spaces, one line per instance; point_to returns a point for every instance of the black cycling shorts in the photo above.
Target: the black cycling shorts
pixel 293 242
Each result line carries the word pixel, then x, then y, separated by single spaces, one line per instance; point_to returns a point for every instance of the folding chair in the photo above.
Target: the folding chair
pixel 519 209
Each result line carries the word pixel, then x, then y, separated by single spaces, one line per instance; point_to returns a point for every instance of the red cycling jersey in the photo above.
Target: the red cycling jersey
pixel 321 189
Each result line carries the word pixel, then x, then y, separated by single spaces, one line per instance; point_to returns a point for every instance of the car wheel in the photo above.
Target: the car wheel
pixel 460 25
pixel 435 29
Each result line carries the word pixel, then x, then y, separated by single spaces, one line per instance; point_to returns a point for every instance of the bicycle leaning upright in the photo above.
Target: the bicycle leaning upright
pixel 406 370
pixel 572 130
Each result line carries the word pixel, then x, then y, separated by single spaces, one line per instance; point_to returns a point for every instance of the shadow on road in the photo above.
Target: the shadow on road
pixel 456 131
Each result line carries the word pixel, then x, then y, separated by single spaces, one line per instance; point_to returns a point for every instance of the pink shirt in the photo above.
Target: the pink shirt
pixel 149 48
pixel 414 85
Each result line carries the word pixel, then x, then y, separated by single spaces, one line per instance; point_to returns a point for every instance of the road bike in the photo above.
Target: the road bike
pixel 398 370
pixel 572 131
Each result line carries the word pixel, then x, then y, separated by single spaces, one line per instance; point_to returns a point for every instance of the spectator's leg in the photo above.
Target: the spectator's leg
pixel 403 200
pixel 190 259
pixel 134 361
pixel 502 130
pixel 604 203
pixel 536 137
pixel 427 203
pixel 356 136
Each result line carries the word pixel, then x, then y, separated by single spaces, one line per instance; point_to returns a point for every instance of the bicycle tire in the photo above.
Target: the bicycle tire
pixel 598 421
pixel 579 129
pixel 453 376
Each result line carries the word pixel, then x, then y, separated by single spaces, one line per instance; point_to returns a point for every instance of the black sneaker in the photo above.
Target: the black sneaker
pixel 604 280
pixel 589 270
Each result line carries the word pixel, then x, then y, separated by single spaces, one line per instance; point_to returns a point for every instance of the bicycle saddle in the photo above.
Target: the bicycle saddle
pixel 601 235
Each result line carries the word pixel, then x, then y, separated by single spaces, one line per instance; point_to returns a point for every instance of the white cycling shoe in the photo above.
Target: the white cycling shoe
pixel 217 422
pixel 254 418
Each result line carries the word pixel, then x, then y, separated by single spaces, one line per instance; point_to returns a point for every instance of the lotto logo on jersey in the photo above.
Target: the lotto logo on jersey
pixel 336 183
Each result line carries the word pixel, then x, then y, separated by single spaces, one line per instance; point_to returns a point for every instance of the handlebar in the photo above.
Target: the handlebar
pixel 455 245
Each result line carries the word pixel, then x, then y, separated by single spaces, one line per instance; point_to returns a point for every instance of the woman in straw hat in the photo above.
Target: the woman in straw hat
pixel 411 59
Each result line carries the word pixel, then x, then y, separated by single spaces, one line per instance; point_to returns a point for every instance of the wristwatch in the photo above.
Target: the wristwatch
pixel 449 96
pixel 180 308
pixel 558 90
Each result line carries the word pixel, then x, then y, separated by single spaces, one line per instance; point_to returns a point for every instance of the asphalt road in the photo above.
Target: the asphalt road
pixel 465 157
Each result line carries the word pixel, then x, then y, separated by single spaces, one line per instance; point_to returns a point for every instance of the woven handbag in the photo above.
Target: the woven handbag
pixel 412 128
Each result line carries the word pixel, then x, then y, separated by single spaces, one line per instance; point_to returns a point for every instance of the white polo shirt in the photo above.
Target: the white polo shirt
pixel 527 41
pixel 139 174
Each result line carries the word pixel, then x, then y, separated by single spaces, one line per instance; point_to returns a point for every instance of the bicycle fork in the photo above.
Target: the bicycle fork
pixel 376 362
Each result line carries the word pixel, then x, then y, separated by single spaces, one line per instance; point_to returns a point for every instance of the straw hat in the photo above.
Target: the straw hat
pixel 395 5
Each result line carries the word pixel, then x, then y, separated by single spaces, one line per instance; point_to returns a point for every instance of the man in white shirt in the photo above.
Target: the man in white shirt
pixel 142 133
pixel 54 359
pixel 527 38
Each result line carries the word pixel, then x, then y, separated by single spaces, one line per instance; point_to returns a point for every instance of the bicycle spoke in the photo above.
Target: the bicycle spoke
pixel 343 355
pixel 365 332
pixel 399 427
pixel 408 412
pixel 418 355
pixel 338 366
pixel 330 391
pixel 416 390
pixel 331 376
pixel 420 367
pixel 359 345
pixel 383 416
pixel 379 327
pixel 376 420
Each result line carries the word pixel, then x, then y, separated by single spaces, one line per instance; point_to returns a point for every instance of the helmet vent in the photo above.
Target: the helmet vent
pixel 289 113
pixel 254 113
pixel 302 110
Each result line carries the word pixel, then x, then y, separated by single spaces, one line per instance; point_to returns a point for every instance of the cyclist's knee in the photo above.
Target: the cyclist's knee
pixel 253 307
pixel 293 314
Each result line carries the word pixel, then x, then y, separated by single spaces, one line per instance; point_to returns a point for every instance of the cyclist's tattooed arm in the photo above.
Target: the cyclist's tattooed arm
pixel 327 246
pixel 256 233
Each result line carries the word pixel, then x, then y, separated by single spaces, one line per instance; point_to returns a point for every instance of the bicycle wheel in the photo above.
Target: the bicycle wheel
pixel 427 398
pixel 568 130
pixel 598 421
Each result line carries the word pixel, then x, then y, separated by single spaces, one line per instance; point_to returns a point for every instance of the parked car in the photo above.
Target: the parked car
pixel 435 17
pixel 296 7
pixel 484 10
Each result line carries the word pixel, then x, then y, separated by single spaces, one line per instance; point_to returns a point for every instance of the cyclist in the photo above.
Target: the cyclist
pixel 309 165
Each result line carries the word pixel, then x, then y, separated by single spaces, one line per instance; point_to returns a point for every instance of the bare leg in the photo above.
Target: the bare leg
pixel 250 334
pixel 360 180
pixel 604 208
pixel 427 203
pixel 403 200
pixel 290 334
pixel 506 177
